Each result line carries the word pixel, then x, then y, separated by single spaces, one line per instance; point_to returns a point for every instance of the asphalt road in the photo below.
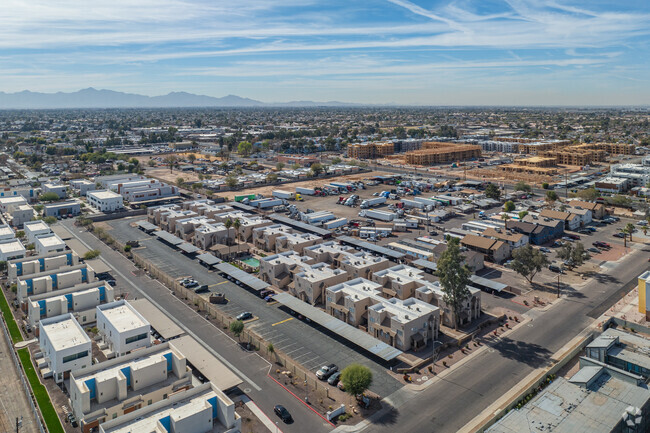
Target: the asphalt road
pixel 249 366
pixel 301 341
pixel 449 404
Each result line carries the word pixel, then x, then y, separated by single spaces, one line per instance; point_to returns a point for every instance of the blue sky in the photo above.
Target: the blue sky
pixel 483 52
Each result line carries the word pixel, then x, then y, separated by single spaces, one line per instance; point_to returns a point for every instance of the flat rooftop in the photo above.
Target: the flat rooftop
pixel 50 240
pixel 123 316
pixel 5 231
pixel 36 225
pixel 64 332
pixel 13 246
pixel 104 194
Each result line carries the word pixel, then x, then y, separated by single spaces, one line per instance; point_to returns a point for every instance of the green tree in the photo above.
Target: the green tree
pixel 271 177
pixel 244 148
pixel 551 196
pixel 237 327
pixel 545 185
pixel 279 166
pixel 197 186
pixel 180 181
pixel 565 251
pixel 629 229
pixel 49 196
pixel 151 163
pixel 522 214
pixel 589 194
pixel 50 220
pixel 522 186
pixel 578 254
pixel 454 277
pixel 92 254
pixel 172 161
pixel 336 160
pixel 493 191
pixel 528 261
pixel 316 169
pixel 509 206
pixel 356 379
pixel 191 158
pixel 236 224
pixel 20 234
pixel 231 181
pixel 228 224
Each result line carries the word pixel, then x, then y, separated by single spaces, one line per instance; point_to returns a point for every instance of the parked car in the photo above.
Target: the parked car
pixel 566 238
pixel 340 385
pixel 191 284
pixel 283 413
pixel 619 235
pixel 326 371
pixel 556 269
pixel 202 289
pixel 593 250
pixel 572 236
pixel 601 244
pixel 545 250
pixel 584 232
pixel 269 298
pixel 111 282
pixel 334 379
pixel 246 315
pixel 265 293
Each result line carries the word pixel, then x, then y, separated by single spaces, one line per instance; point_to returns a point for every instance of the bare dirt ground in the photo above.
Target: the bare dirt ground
pixel 164 175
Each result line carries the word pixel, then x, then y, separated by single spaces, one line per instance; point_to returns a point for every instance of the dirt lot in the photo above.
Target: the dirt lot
pixel 163 174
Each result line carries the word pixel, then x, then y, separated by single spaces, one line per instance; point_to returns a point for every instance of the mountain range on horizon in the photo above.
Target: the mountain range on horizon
pixel 93 98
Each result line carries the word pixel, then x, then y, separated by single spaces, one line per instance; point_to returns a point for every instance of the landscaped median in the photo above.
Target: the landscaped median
pixel 50 417
pixel 14 331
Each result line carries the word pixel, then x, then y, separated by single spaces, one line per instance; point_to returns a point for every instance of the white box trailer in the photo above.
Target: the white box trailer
pixel 375 201
pixel 285 195
pixel 410 204
pixel 427 201
pixel 265 203
pixel 314 218
pixel 339 222
pixel 305 191
pixel 380 215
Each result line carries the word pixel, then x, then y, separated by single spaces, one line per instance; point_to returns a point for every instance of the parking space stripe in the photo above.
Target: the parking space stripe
pixel 282 321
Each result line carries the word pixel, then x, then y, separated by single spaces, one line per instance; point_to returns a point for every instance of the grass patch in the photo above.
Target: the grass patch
pixel 14 331
pixel 52 421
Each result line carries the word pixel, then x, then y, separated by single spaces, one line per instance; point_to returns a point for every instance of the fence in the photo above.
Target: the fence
pixel 23 380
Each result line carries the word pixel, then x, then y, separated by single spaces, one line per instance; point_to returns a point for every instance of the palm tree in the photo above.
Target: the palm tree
pixel 228 224
pixel 236 225
pixel 629 229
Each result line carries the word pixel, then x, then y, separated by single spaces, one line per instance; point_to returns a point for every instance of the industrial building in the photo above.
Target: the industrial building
pixel 105 200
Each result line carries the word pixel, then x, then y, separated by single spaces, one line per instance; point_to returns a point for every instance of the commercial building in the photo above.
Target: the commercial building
pixel 35 264
pixel 79 300
pixel 55 188
pixel 404 324
pixel 105 200
pixel 33 229
pixel 49 243
pixel 598 398
pixel 55 279
pixel 65 346
pixel 6 233
pixel 82 186
pixel 138 190
pixel 122 328
pixel 66 208
pixel 28 193
pixel 623 350
pixel 11 249
pixel 114 388
pixel 635 174
pixel 202 409
pixel 494 250
pixel 441 153
pixel 7 202
pixel 611 184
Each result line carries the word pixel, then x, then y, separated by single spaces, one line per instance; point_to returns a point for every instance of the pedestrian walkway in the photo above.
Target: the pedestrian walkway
pixel 13 400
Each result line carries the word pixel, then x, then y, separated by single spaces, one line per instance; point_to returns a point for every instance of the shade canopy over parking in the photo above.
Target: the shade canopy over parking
pixel 146 226
pixel 340 328
pixel 188 248
pixel 169 238
pixel 244 278
pixel 163 325
pixel 208 259
pixel 301 226
pixel 485 284
pixel 426 265
pixel 376 249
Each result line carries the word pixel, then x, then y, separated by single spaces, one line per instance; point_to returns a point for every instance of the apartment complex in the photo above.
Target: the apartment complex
pixel 122 328
pixel 65 346
pixel 36 264
pixel 371 150
pixel 55 279
pixel 442 152
pixel 494 250
pixel 279 237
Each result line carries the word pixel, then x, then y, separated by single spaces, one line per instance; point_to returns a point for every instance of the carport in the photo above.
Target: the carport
pixel 169 238
pixel 487 285
pixel 426 265
pixel 209 365
pixel 244 278
pixel 372 248
pixel 162 324
pixel 340 328
pixel 146 227
pixel 208 260
pixel 188 248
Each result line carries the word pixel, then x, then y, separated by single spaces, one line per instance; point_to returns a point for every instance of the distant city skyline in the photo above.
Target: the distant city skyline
pixel 514 52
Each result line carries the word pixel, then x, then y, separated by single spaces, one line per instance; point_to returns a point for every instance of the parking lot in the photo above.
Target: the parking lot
pixel 299 340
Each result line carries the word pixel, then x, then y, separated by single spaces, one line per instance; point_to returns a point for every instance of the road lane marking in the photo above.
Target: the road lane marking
pixel 282 321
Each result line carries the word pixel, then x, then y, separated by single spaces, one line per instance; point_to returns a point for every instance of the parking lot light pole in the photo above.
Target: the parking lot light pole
pixel 558 285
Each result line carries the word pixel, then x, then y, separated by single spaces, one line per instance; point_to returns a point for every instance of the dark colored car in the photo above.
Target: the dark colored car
pixel 619 235
pixel 202 289
pixel 283 413
pixel 265 293
pixel 555 268
pixel 572 236
pixel 334 379
pixel 245 316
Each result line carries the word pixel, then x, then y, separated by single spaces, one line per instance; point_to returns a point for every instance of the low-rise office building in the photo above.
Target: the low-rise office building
pixel 65 346
pixel 8 201
pixel 105 200
pixel 202 409
pixel 120 386
pixel 61 209
pixel 122 327
pixel 82 186
pixel 55 188
pixel 79 300
pixel 49 243
pixel 18 215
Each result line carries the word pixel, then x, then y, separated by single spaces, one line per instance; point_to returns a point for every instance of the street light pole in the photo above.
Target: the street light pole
pixel 558 285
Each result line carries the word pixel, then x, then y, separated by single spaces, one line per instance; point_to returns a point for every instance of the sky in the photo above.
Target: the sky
pixel 480 52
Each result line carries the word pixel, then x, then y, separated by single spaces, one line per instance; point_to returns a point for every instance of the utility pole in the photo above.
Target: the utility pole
pixel 566 188
pixel 558 285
